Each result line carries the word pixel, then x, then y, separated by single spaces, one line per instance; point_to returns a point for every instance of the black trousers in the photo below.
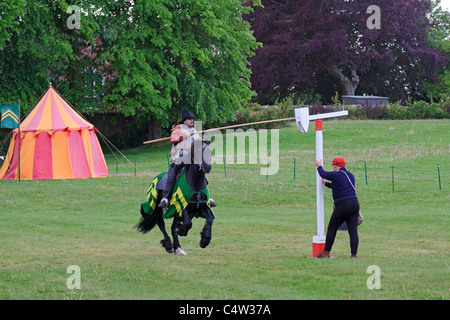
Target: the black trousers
pixel 346 210
pixel 174 169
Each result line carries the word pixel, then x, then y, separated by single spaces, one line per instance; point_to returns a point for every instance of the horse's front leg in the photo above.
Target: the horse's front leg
pixel 207 229
pixel 166 242
pixel 176 241
pixel 184 224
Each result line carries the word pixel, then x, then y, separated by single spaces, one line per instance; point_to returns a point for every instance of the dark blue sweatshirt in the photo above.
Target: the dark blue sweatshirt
pixel 340 186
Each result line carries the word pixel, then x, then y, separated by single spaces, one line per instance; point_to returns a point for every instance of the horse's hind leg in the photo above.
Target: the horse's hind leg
pixel 206 233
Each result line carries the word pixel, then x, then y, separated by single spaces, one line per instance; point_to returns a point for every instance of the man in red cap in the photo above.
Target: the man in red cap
pixel 346 205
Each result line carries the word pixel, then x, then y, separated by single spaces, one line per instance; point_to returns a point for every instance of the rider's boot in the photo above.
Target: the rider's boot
pixel 164 203
pixel 212 203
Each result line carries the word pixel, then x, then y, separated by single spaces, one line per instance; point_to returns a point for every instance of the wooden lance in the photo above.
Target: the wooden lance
pixel 227 127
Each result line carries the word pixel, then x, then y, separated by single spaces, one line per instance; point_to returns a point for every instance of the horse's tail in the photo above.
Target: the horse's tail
pixel 147 222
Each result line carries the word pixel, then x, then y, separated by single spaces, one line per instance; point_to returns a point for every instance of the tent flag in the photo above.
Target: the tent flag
pixel 10 116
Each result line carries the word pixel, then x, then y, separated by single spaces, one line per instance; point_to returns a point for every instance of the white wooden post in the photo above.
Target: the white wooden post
pixel 302 119
pixel 319 185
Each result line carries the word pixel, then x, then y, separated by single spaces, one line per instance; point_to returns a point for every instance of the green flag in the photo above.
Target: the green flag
pixel 10 116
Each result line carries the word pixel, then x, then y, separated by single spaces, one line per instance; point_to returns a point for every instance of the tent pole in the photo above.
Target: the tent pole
pixel 9 164
pixel 18 177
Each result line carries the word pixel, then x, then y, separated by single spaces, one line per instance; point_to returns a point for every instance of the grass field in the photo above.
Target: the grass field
pixel 261 245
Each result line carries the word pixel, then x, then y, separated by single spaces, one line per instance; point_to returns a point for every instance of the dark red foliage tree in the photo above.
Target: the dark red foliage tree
pixel 330 46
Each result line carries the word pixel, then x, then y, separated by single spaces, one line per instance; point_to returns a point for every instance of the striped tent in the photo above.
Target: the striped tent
pixel 55 143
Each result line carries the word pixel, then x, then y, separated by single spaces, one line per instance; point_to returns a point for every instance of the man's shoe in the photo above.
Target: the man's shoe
pixel 323 254
pixel 164 203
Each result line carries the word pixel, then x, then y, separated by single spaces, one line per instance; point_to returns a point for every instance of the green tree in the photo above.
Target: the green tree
pixel 439 37
pixel 9 14
pixel 42 49
pixel 171 54
pixel 145 59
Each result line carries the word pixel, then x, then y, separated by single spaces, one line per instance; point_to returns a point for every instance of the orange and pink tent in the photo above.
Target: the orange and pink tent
pixel 55 143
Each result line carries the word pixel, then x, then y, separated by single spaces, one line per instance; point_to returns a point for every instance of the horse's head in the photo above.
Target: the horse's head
pixel 201 155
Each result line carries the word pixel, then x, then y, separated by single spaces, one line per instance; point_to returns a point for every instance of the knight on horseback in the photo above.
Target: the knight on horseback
pixel 181 138
pixel 190 199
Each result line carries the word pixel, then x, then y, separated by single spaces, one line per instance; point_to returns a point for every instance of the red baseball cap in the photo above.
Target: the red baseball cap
pixel 340 162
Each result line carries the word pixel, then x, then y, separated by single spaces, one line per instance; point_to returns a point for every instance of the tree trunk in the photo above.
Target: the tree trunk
pixel 348 85
pixel 74 67
pixel 154 128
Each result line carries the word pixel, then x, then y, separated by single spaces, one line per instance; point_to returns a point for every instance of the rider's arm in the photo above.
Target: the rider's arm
pixel 176 136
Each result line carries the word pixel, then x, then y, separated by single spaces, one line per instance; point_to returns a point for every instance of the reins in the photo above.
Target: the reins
pixel 199 200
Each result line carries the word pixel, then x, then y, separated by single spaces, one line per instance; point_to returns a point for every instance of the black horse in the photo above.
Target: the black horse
pixel 197 207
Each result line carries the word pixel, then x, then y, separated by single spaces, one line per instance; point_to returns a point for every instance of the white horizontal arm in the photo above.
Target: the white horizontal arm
pixel 328 115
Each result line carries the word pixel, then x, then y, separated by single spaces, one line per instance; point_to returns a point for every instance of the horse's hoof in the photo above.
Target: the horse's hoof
pixel 167 245
pixel 180 252
pixel 204 242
